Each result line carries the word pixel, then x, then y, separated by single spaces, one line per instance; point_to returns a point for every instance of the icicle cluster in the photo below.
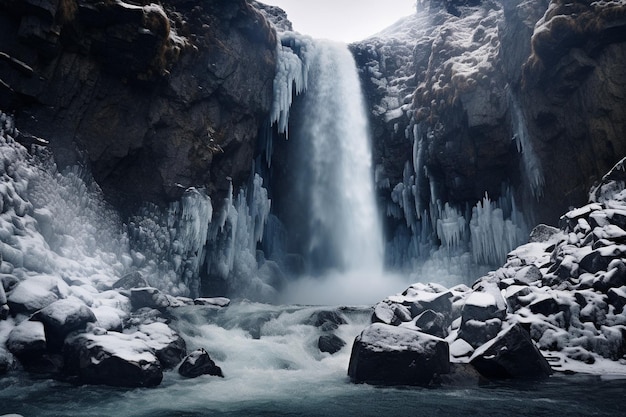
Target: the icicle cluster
pixel 434 229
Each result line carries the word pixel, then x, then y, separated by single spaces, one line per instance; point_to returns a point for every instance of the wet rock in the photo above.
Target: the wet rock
pixel 148 297
pixel 113 359
pixel 62 317
pixel 326 320
pixel 390 355
pixel 330 343
pixel 199 363
pixel 512 354
pixel 431 322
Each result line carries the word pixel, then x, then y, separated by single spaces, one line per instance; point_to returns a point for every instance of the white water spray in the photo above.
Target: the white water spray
pixel 334 176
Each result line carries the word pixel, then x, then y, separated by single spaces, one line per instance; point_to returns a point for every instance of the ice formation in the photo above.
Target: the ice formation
pixel 292 73
pixel 531 165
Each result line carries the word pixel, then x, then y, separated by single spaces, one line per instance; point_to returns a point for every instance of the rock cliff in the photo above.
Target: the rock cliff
pixel 521 100
pixel 153 98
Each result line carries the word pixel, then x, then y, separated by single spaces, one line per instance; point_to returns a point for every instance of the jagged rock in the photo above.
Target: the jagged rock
pixel 326 320
pixel 61 318
pixel 527 275
pixel 390 355
pixel 199 363
pixel 512 354
pixel 148 297
pixel 391 313
pixel 543 233
pixel 112 359
pixel 431 322
pixel 330 343
pixel 132 280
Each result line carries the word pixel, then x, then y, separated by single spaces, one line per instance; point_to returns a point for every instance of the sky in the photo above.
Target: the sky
pixel 343 20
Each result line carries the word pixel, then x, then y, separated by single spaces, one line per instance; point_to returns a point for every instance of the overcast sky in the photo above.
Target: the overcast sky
pixel 343 20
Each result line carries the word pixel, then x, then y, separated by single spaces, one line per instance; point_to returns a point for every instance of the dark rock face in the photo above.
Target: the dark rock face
pixel 148 297
pixel 153 98
pixel 199 363
pixel 499 111
pixel 390 355
pixel 511 355
pixel 326 320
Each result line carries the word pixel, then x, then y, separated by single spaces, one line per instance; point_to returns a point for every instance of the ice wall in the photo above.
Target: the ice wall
pixel 433 230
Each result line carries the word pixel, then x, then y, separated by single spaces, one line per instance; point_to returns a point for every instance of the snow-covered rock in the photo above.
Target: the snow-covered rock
pixel 390 355
pixel 61 318
pixel 113 359
pixel 199 363
pixel 512 354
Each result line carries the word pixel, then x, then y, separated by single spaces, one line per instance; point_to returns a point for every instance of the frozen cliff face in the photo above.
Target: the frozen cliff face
pixel 475 98
pixel 151 96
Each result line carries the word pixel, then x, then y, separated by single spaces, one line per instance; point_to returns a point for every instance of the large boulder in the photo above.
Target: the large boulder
pixel 28 296
pixel 199 363
pixel 112 358
pixel 512 354
pixel 27 341
pixel 326 320
pixel 61 318
pixel 390 355
pixel 148 297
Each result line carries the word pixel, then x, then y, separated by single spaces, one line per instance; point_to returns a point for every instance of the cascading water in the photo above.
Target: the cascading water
pixel 327 202
pixel 332 131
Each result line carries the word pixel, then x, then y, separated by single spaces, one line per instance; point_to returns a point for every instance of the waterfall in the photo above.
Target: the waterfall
pixel 327 201
pixel 334 129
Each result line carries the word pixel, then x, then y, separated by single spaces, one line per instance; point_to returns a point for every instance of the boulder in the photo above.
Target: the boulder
pixel 617 298
pixel 28 297
pixel 476 332
pixel 112 358
pixel 511 354
pixel 199 363
pixel 27 342
pixel 326 320
pixel 61 318
pixel 542 233
pixel 330 343
pixel 484 304
pixel 390 355
pixel 391 313
pixel 527 275
pixel 148 297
